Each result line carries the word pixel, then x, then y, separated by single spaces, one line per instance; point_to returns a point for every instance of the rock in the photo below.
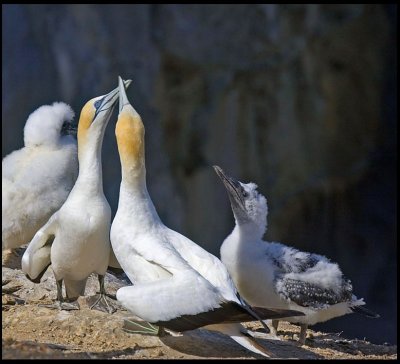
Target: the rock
pixel 38 332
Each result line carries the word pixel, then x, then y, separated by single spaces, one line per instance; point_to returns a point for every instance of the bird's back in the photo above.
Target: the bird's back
pixel 293 264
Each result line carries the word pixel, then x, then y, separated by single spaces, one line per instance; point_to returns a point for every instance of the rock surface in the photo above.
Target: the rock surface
pixel 31 331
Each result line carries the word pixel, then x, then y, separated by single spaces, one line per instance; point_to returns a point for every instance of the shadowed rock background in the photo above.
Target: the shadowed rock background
pixel 299 99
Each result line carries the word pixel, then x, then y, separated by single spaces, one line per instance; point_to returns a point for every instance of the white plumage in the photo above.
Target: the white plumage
pixel 76 238
pixel 177 284
pixel 275 275
pixel 37 178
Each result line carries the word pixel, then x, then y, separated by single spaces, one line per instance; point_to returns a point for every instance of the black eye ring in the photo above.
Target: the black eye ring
pixel 98 103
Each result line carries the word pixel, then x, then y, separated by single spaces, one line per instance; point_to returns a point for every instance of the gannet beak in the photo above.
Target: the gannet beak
pixel 107 102
pixel 234 189
pixel 123 99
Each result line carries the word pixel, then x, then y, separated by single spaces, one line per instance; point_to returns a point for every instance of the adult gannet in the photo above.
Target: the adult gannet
pixel 273 274
pixel 37 178
pixel 75 240
pixel 177 284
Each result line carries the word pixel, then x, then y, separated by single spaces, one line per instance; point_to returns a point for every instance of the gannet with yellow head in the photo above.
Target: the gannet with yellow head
pixel 177 284
pixel 272 274
pixel 75 240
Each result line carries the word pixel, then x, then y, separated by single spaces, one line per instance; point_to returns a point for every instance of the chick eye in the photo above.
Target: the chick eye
pixel 97 103
pixel 244 193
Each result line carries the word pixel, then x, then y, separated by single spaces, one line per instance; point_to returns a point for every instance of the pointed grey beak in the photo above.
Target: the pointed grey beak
pixel 108 101
pixel 233 187
pixel 235 193
pixel 123 99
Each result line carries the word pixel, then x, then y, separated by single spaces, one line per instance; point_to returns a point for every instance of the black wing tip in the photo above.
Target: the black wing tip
pixel 276 312
pixel 228 312
pixel 39 277
pixel 35 280
pixel 365 312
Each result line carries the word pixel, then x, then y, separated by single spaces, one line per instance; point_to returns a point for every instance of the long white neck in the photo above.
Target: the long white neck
pixel 243 242
pixel 135 200
pixel 250 230
pixel 90 178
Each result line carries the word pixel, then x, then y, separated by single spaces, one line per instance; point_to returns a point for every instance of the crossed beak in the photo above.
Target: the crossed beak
pixel 123 100
pixel 108 101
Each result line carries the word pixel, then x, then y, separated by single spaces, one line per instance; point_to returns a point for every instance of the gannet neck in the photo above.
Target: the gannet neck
pixel 90 140
pixel 134 198
pixel 90 167
pixel 136 201
pixel 251 230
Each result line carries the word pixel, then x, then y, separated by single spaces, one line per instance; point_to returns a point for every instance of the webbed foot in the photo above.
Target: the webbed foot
pixel 66 306
pixel 100 302
pixel 261 335
pixel 143 328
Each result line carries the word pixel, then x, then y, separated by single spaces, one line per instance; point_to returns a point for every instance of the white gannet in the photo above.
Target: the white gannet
pixel 75 240
pixel 37 178
pixel 273 274
pixel 176 284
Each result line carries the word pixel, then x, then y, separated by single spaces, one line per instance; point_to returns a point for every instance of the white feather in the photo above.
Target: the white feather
pixel 44 124
pixel 172 275
pixel 259 268
pixel 37 179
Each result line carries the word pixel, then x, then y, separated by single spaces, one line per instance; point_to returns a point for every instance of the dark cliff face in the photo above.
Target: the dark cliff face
pixel 299 99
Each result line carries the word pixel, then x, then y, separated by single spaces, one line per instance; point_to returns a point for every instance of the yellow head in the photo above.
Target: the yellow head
pixel 129 132
pixel 96 114
pixel 85 120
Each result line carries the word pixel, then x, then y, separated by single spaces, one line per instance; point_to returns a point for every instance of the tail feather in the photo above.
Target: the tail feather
pixel 249 343
pixel 238 333
pixel 364 311
pixel 275 313
pixel 262 313
pixel 228 312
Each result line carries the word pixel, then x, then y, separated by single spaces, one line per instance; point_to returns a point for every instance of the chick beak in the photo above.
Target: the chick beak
pixel 233 188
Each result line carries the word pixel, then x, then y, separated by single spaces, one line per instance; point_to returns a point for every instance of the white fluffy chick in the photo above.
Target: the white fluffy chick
pixel 37 178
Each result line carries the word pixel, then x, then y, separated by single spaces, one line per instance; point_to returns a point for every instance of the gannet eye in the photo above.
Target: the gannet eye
pixel 98 103
pixel 244 193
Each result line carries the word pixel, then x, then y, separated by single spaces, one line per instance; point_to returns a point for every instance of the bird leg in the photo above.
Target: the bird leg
pixel 274 327
pixel 60 303
pixel 252 313
pixel 101 302
pixel 14 252
pixel 303 333
pixel 272 335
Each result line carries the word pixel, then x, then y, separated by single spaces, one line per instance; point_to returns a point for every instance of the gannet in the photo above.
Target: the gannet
pixel 37 178
pixel 75 240
pixel 273 274
pixel 176 284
